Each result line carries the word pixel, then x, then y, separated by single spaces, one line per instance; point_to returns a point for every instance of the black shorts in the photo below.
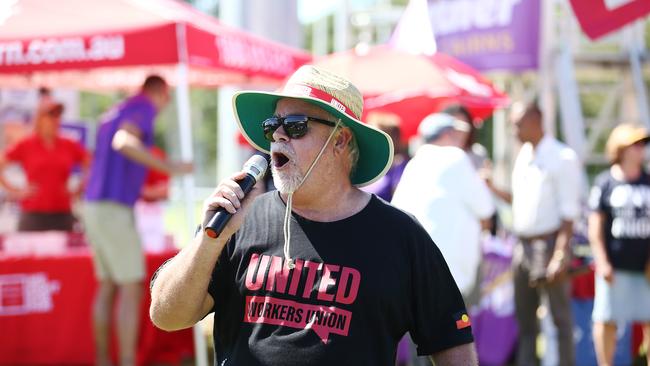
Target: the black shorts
pixel 40 221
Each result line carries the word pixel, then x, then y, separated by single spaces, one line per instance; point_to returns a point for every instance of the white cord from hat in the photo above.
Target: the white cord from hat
pixel 287 213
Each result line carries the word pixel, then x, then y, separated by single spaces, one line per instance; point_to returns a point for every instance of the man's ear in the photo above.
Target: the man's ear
pixel 342 139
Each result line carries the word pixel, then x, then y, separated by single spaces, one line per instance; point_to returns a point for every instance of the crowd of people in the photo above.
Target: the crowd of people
pixel 112 180
pixel 360 244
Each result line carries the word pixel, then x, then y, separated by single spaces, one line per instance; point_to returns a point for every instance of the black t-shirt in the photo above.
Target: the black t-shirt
pixel 359 284
pixel 626 206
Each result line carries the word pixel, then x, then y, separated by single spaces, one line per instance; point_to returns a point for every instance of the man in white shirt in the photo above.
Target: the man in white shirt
pixel 545 202
pixel 445 193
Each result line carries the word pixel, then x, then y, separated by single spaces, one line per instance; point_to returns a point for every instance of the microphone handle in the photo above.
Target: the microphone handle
pixel 221 217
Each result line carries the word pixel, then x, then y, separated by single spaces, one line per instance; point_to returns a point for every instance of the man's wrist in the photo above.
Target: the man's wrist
pixel 201 236
pixel 560 255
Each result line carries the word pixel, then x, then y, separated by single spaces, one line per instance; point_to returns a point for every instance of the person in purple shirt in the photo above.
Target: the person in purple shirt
pixel 121 160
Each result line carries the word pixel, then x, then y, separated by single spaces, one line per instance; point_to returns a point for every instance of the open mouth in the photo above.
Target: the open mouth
pixel 279 159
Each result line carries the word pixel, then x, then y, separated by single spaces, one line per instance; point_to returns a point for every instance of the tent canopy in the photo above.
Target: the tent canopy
pixel 411 86
pixel 107 44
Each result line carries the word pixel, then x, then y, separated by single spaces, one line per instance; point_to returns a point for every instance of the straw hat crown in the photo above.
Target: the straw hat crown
pixel 336 86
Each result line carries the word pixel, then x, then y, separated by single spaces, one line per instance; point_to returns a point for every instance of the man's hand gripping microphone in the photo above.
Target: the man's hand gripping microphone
pixel 254 168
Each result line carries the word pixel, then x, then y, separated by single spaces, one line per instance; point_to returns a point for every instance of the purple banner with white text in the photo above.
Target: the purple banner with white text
pixel 488 34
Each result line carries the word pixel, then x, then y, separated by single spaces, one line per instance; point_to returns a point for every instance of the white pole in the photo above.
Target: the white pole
pixel 231 12
pixel 229 159
pixel 500 142
pixel 187 180
pixel 573 127
pixel 636 47
pixel 319 37
pixel 546 56
pixel 341 25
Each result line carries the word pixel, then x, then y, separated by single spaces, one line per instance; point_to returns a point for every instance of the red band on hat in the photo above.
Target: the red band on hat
pixel 308 91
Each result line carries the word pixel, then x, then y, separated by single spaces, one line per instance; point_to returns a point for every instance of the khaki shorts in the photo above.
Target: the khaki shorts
pixel 117 252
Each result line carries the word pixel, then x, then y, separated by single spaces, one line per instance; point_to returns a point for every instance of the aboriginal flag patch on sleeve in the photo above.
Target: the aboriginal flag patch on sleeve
pixel 462 320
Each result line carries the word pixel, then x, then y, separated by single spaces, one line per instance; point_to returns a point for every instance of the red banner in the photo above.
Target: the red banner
pixel 89 51
pixel 323 320
pixel 226 51
pixel 241 52
pixel 599 17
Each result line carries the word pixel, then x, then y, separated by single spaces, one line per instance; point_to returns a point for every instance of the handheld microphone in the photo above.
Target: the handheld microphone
pixel 255 168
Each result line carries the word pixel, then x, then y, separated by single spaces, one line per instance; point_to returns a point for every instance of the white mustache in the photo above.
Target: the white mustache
pixel 283 149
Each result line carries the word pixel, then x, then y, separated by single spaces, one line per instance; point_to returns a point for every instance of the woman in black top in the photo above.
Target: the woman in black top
pixel 619 233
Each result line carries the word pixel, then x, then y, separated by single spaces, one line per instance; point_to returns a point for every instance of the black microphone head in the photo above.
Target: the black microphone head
pixel 256 166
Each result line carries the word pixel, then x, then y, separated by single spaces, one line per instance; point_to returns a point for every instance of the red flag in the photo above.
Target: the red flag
pixel 599 17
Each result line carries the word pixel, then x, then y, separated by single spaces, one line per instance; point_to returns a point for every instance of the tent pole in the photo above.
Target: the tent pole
pixel 229 154
pixel 187 192
pixel 547 56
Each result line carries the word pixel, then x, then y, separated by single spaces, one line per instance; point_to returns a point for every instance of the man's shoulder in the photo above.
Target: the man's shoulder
pixel 390 214
pixel 433 159
pixel 138 104
pixel 138 100
pixel 562 150
pixel 433 151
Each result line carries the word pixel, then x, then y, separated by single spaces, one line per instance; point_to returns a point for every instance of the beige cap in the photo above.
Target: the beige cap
pixel 624 135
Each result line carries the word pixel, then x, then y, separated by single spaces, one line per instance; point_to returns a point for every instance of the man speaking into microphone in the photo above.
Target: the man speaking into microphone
pixel 317 272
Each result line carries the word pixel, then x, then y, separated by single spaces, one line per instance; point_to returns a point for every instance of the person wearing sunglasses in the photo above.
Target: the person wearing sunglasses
pixel 319 271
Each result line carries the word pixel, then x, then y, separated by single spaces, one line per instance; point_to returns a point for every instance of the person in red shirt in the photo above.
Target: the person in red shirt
pixel 47 159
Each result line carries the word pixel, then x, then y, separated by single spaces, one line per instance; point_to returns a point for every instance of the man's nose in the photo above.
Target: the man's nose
pixel 280 134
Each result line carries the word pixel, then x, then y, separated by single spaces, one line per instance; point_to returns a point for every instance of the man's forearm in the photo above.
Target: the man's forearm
pixel 179 292
pixel 564 237
pixel 145 158
pixel 130 146
pixel 463 355
pixel 502 194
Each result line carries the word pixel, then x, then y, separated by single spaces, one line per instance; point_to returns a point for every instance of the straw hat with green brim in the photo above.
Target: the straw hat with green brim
pixel 333 94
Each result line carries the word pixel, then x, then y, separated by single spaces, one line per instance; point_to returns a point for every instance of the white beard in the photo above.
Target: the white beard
pixel 287 181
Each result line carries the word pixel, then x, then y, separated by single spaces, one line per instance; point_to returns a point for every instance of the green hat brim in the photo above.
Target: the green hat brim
pixel 375 146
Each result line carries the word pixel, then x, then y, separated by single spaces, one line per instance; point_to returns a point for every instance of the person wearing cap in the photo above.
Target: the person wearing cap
pixel 47 159
pixel 318 272
pixel 445 193
pixel 121 160
pixel 476 152
pixel 619 234
pixel 545 198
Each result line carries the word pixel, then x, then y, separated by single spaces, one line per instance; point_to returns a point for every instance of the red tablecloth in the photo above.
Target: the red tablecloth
pixel 45 313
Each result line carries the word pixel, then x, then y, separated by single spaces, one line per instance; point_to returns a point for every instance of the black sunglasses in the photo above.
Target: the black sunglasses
pixel 294 126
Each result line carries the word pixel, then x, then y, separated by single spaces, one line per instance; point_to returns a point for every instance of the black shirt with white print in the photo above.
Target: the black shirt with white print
pixel 626 230
pixel 358 286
